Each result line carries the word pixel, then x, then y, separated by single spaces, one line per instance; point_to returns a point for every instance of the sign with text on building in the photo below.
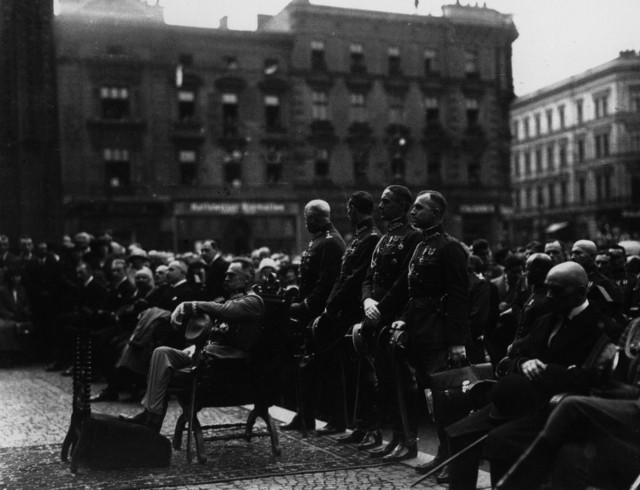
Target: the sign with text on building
pixel 230 208
pixel 477 208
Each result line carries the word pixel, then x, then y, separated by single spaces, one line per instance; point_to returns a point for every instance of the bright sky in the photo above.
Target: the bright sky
pixel 558 38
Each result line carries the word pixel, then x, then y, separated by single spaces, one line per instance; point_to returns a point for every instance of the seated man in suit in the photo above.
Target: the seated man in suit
pixel 552 358
pixel 241 315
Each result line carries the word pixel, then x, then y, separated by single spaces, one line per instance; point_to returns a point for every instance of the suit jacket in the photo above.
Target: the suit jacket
pixel 174 295
pixel 121 295
pixel 214 279
pixel 14 308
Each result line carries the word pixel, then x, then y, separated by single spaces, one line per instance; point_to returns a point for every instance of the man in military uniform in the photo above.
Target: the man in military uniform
pixel 344 307
pixel 438 290
pixel 319 269
pixel 384 294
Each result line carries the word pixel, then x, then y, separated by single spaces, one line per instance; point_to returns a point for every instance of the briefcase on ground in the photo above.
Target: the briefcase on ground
pixel 108 443
pixel 451 391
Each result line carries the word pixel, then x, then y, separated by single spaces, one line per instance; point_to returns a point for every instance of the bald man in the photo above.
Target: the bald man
pixel 602 292
pixel 319 270
pixel 553 358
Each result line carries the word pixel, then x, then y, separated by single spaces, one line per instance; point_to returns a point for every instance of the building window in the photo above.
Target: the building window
pixel 321 167
pixel 561 115
pixel 471 63
pixel 549 120
pixel 579 111
pixel 320 105
pixel 473 111
pixel 357 59
pixel 536 119
pixel 434 168
pixel 317 56
pixel 529 198
pixel 186 105
pixel 357 107
pixel 117 168
pixel 602 145
pixel 229 114
pixel 114 102
pixel 273 160
pixel 538 158
pixel 564 197
pixel 580 149
pixel 188 161
pixel 634 140
pixel 515 129
pixel 582 190
pixel 551 164
pixel 271 66
pixel 635 99
pixel 551 191
pixel 360 165
pixel 272 113
pixel 430 62
pixel 525 126
pixel 540 196
pixel 394 62
pixel 527 163
pixel 598 188
pixel 601 104
pixel 432 110
pixel 232 169
pixel 516 165
pixel 396 109
pixel 562 155
pixel 635 189
pixel 230 63
pixel 474 172
pixel 606 182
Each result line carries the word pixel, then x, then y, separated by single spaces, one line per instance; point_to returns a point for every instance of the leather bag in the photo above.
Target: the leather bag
pixel 452 394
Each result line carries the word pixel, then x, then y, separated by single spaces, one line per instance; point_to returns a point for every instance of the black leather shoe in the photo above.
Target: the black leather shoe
pixel 154 421
pixel 423 469
pixel 442 476
pixel 354 438
pixel 140 418
pixel 384 450
pixel 330 429
pixel 105 396
pixel 373 438
pixel 402 452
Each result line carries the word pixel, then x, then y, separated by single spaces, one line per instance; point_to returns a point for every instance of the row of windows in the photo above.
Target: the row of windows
pixel 118 107
pixel 556 194
pixel 394 60
pixel 543 157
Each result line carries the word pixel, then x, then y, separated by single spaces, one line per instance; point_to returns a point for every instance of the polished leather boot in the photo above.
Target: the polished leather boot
pixel 373 438
pixel 330 429
pixel 296 424
pixel 386 449
pixel 402 451
pixel 442 476
pixel 354 438
pixel 140 418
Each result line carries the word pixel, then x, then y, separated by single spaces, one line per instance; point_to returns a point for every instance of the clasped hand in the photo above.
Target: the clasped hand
pixel 533 368
pixel 371 311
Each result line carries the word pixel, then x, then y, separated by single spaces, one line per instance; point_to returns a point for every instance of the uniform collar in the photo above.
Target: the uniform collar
pixel 365 225
pixel 433 231
pixel 396 224
pixel 324 229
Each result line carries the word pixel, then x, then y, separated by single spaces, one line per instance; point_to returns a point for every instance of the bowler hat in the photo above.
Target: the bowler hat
pixel 198 328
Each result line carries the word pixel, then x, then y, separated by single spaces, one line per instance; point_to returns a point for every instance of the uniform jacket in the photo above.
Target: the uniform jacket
pixel 438 282
pixel 386 278
pixel 346 295
pixel 319 268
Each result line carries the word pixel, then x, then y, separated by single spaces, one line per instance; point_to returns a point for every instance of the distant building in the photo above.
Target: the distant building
pixel 576 155
pixel 174 134
pixel 30 186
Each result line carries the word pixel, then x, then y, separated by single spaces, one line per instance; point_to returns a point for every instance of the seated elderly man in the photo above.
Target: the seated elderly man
pixel 241 315
pixel 552 359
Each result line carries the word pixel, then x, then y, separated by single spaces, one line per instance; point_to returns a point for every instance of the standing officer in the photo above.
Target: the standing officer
pixel 438 285
pixel 384 295
pixel 344 307
pixel 319 269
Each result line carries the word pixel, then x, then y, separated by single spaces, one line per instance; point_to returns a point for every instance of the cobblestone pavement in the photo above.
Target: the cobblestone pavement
pixel 35 408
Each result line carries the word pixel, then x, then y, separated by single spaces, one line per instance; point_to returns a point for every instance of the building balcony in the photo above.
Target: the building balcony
pixel 188 129
pixel 127 124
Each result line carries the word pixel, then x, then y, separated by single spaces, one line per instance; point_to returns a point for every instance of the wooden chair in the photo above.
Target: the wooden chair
pixel 248 381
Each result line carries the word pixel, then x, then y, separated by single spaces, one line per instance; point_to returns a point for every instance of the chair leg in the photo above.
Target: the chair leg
pixel 251 420
pixel 199 439
pixel 272 429
pixel 177 433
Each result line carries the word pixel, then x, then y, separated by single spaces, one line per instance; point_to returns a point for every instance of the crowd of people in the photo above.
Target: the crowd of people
pixel 418 300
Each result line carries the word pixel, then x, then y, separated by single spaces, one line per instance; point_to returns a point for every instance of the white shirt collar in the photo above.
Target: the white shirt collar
pixel 578 309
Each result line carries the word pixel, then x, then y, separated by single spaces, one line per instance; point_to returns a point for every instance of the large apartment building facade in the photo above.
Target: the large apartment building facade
pixel 173 134
pixel 576 155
